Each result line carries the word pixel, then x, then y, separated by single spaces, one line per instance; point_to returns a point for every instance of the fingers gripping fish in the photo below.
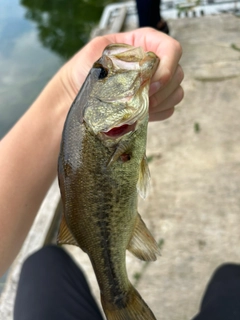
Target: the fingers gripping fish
pixel 102 168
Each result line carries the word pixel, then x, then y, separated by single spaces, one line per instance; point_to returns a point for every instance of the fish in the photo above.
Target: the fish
pixel 102 168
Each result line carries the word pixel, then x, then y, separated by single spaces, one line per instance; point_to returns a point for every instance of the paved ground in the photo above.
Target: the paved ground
pixel 193 207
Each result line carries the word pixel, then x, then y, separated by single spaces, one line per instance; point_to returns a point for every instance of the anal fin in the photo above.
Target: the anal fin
pixel 64 234
pixel 142 243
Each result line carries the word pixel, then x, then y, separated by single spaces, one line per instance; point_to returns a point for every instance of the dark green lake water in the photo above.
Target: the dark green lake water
pixel 36 38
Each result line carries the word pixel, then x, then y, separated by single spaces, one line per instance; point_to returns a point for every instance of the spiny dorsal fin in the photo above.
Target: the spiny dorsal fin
pixel 64 234
pixel 144 178
pixel 142 243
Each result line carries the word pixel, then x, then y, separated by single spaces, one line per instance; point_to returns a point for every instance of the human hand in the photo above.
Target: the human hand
pixel 165 89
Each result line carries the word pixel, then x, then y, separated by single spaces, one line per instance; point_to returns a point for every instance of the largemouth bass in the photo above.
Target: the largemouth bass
pixel 102 168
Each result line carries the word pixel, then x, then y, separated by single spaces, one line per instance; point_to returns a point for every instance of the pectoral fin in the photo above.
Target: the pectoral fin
pixel 144 178
pixel 121 148
pixel 64 234
pixel 142 243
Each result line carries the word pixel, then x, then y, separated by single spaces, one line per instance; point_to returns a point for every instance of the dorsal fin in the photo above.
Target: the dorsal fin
pixel 64 234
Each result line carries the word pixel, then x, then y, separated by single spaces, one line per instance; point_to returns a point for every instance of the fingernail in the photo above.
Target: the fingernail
pixel 154 87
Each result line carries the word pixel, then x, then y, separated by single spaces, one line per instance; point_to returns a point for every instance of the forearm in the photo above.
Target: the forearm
pixel 29 155
pixel 28 165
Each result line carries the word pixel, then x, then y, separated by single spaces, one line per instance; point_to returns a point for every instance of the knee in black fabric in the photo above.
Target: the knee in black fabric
pixel 52 287
pixel 227 272
pixel 47 256
pixel 53 267
pixel 221 300
pixel 224 280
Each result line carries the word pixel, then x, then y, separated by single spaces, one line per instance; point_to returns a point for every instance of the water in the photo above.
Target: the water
pixel 36 38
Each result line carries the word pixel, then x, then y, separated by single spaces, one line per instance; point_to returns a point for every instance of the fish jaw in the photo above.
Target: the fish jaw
pixel 121 79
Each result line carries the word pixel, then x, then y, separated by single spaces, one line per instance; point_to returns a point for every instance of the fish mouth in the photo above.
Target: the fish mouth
pixel 120 131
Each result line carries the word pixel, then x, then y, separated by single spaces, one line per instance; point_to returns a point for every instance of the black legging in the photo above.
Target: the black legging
pixel 221 300
pixel 52 287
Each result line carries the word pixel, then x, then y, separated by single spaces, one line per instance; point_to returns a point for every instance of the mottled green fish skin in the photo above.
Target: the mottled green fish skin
pixel 100 199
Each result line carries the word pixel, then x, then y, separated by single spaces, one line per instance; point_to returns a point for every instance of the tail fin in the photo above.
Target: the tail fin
pixel 134 308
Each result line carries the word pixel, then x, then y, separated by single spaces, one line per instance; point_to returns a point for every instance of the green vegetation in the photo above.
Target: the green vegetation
pixel 197 128
pixel 161 243
pixel 235 47
pixel 151 157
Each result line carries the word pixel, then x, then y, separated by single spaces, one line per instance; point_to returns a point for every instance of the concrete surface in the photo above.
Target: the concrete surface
pixel 194 201
pixel 193 207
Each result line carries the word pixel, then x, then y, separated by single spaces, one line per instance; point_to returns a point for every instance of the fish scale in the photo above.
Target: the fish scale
pixel 100 174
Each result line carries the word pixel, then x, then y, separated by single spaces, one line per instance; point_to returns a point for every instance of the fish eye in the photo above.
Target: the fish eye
pixel 103 73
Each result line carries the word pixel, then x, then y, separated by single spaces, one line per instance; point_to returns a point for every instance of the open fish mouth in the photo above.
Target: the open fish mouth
pixel 118 88
pixel 120 131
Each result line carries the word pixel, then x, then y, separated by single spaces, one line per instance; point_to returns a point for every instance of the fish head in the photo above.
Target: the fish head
pixel 118 96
